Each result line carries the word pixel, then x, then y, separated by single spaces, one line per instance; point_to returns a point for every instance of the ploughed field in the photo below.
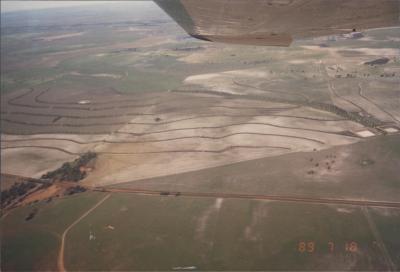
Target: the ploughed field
pixel 172 131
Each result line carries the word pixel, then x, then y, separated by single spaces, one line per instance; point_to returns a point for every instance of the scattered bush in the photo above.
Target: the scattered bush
pixel 31 215
pixel 75 190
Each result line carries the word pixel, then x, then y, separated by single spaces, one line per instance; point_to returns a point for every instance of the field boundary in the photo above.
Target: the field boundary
pixel 283 198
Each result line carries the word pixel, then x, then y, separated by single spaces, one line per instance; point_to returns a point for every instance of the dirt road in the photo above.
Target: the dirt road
pixel 60 261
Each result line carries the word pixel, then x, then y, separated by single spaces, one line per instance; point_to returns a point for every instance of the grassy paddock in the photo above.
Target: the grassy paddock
pixel 159 233
pixel 34 244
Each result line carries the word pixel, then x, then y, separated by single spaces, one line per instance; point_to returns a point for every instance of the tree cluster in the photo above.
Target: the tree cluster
pixel 17 190
pixel 71 171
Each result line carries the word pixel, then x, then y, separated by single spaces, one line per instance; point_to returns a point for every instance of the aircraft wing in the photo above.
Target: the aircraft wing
pixel 278 22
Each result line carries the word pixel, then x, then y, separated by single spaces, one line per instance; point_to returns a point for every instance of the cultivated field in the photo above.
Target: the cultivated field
pixel 298 99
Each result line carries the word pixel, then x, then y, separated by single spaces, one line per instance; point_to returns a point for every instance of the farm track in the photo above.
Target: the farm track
pixel 60 259
pixel 299 199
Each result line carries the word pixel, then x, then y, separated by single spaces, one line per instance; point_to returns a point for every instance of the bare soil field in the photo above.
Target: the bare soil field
pixel 32 161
